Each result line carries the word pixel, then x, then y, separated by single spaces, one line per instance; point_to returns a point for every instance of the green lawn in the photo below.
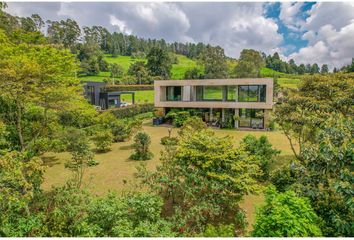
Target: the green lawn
pixel 184 64
pixel 140 97
pixel 288 82
pixel 116 171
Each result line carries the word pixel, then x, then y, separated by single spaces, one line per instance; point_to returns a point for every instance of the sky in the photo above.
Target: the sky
pixel 308 32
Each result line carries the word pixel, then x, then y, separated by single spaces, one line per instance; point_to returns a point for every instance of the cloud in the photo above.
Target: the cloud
pixel 289 15
pixel 234 26
pixel 329 30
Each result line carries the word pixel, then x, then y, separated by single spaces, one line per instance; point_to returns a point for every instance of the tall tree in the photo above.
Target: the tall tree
pixel 66 32
pixel 315 68
pixel 249 64
pixel 214 61
pixel 324 68
pixel 159 63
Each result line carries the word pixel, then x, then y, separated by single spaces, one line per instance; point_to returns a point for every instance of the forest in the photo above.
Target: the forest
pixel 201 178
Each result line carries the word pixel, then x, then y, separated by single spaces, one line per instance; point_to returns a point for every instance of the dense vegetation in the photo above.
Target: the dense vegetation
pixel 202 178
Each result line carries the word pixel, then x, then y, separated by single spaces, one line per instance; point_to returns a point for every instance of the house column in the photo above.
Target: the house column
pixel 223 115
pixel 210 114
pixel 237 114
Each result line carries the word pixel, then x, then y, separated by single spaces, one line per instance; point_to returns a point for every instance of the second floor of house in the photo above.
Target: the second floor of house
pixel 215 93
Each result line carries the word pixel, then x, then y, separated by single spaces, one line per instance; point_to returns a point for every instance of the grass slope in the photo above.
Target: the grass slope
pixel 115 171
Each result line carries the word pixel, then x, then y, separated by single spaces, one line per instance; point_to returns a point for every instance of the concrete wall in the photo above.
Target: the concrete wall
pixel 160 93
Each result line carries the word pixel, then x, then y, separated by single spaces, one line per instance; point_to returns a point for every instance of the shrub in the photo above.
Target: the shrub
pixel 262 150
pixel 132 110
pixel 283 178
pixel 141 145
pixel 178 117
pixel 286 215
pixel 219 231
pixel 103 140
pixel 169 140
pixel 192 124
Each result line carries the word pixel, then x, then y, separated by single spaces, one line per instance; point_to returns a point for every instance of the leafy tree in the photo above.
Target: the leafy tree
pixel 141 145
pixel 286 215
pixel 192 73
pixel 205 178
pixel 249 64
pixel 20 178
pixel 324 68
pixel 159 63
pixel 65 32
pixel 192 124
pixel 103 140
pixel 315 68
pixel 116 70
pixel 328 180
pixel 138 69
pixel 91 58
pixel 301 69
pixel 301 111
pixel 285 177
pixel 262 150
pixel 214 61
pixel 81 155
pixel 35 75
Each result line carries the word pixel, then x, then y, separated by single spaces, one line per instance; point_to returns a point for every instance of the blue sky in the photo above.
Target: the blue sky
pixel 292 39
pixel 307 32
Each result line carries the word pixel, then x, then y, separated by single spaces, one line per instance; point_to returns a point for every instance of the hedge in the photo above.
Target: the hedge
pixel 132 110
pixel 112 88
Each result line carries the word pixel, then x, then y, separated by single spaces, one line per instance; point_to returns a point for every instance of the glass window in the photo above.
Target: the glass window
pixel 262 93
pixel 251 118
pixel 243 93
pixel 212 93
pixel 252 93
pixel 174 93
pixel 231 93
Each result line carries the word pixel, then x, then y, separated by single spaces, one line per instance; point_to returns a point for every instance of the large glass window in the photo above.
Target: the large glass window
pixel 174 93
pixel 209 93
pixel 251 118
pixel 252 93
pixel 231 93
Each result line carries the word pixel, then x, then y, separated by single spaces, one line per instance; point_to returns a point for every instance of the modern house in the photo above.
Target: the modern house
pixel 97 94
pixel 243 102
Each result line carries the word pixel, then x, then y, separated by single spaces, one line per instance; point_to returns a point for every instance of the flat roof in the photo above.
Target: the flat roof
pixel 214 82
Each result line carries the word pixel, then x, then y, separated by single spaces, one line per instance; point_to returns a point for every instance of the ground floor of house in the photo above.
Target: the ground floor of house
pixel 228 117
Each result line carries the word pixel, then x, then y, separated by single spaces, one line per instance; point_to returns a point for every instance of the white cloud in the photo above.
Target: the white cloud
pixel 289 15
pixel 121 25
pixel 329 31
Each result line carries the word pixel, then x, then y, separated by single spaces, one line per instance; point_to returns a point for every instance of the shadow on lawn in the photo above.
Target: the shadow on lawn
pixel 50 161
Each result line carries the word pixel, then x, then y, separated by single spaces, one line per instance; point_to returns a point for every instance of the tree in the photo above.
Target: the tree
pixel 286 215
pixel 262 150
pixel 81 155
pixel 159 63
pixel 324 68
pixel 20 178
pixel 301 111
pixel 315 68
pixel 205 178
pixel 301 69
pixel 328 179
pixel 103 140
pixel 116 70
pixel 138 69
pixel 192 74
pixel 249 64
pixel 35 75
pixel 91 58
pixel 214 61
pixel 65 32
pixel 141 146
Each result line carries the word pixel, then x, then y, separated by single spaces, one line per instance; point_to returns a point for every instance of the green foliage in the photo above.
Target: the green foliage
pixel 249 64
pixel 138 69
pixel 103 140
pixel 81 155
pixel 262 150
pixel 169 140
pixel 159 63
pixel 141 146
pixel 286 215
pixel 194 123
pixel 329 181
pixel 214 61
pixel 178 117
pixel 20 178
pixel 205 178
pixel 193 73
pixel 116 70
pixel 284 177
pixel 132 110
pixel 219 231
pixel 133 215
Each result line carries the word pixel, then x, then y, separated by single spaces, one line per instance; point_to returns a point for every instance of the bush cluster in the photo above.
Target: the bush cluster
pixel 133 110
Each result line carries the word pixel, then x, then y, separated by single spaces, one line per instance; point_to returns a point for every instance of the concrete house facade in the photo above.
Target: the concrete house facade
pixel 246 102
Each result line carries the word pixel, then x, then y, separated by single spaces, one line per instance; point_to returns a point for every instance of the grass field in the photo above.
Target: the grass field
pixel 140 97
pixel 116 171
